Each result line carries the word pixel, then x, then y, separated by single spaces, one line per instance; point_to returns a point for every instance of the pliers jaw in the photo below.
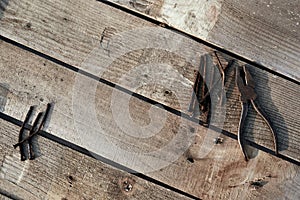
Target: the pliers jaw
pixel 245 84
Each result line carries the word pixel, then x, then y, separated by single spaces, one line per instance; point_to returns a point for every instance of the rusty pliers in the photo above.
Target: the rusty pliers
pixel 246 87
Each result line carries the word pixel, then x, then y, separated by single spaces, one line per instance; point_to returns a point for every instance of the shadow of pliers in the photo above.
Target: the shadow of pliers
pixel 246 87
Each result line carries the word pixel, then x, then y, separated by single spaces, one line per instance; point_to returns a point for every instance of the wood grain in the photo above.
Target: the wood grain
pixel 62 173
pixel 197 17
pixel 72 37
pixel 264 32
pixel 203 169
pixel 4 197
pixel 92 38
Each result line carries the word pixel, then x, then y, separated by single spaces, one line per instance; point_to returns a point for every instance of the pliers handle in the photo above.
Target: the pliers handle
pixel 246 87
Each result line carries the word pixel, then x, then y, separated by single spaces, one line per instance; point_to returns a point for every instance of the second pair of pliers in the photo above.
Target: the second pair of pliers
pixel 246 87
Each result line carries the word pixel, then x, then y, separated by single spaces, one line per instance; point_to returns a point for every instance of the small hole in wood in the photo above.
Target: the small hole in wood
pixel 28 25
pixel 191 160
pixel 70 178
pixel 192 129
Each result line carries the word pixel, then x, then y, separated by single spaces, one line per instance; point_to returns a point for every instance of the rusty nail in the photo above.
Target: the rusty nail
pixel 218 140
pixel 127 186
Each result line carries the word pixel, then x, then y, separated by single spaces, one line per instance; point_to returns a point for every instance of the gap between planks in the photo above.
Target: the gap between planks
pixel 221 36
pixel 189 173
pixel 150 101
pixel 80 32
pixel 66 170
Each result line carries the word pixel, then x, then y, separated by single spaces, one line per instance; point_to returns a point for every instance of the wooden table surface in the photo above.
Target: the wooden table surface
pixel 121 81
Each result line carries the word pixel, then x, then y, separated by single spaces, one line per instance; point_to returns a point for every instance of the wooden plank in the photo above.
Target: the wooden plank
pixel 264 32
pixel 282 116
pixel 62 173
pixel 202 169
pixel 195 17
pixel 4 198
pixel 74 38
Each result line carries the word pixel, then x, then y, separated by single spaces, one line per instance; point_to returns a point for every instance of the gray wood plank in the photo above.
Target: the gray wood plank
pixel 74 38
pixel 265 32
pixel 62 173
pixel 198 166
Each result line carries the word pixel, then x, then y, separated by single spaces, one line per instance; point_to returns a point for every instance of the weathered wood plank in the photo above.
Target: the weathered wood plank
pixel 282 115
pixel 196 17
pixel 264 32
pixel 4 198
pixel 203 169
pixel 62 173
pixel 62 32
pixel 74 37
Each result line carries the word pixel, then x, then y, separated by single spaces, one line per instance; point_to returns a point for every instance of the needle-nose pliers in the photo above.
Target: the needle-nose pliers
pixel 246 87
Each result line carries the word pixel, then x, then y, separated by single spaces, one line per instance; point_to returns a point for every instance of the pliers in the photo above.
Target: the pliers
pixel 246 87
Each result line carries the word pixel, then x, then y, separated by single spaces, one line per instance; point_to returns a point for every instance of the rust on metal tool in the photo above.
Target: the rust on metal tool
pixel 200 101
pixel 23 130
pixel 32 143
pixel 41 126
pixel 246 86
